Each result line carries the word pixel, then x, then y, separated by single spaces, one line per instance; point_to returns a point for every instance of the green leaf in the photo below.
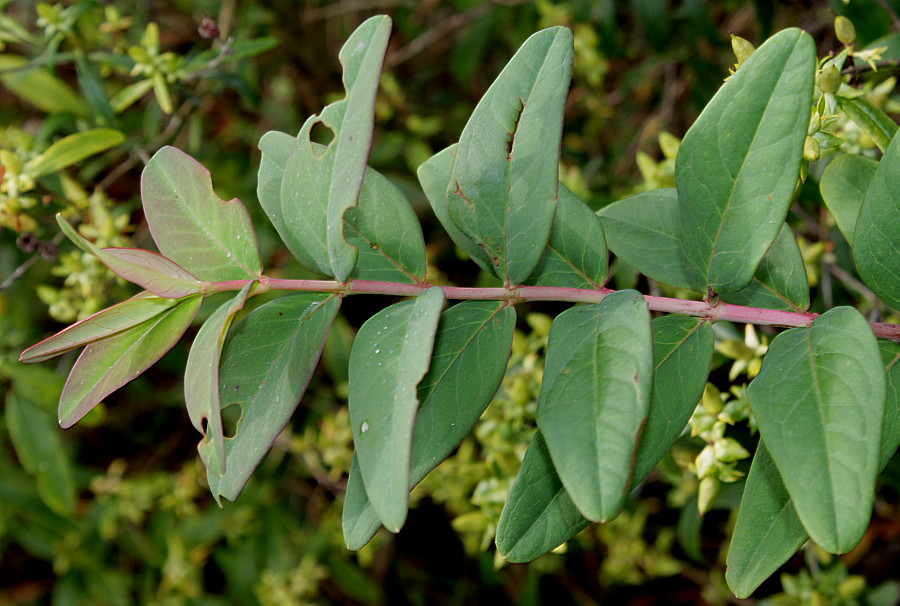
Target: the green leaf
pixel 595 396
pixel 105 323
pixel 738 165
pixel 780 281
pixel 576 255
pixel 843 186
pixel 36 440
pixel 819 403
pixel 155 273
pixel 201 381
pixel 471 349
pixel 130 95
pixel 386 231
pixel 107 364
pixel 211 238
pixel 39 87
pixel 73 149
pixel 643 231
pixel 92 89
pixel 876 245
pixel 434 177
pixel 319 186
pixel 390 356
pixel 267 361
pixel 768 531
pixel 682 350
pixel 872 120
pixel 503 188
pixel 381 226
pixel 538 515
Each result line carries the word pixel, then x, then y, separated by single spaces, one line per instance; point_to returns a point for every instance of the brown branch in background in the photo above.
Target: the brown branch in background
pixel 865 67
pixel 336 9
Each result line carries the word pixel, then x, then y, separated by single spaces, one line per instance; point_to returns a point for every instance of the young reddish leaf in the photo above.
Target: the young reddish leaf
pixel 267 362
pixel 201 381
pixel 104 323
pixel 211 238
pixel 161 276
pixel 106 365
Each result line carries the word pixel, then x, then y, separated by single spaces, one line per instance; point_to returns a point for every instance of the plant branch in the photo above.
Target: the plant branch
pixel 713 312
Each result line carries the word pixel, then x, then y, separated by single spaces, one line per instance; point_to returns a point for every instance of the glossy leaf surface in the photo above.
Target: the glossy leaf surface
pixel 390 356
pixel 595 396
pixel 503 187
pixel 107 364
pixel 105 323
pixel 844 185
pixel 212 239
pixel 73 149
pixel 876 245
pixel 320 185
pixel 471 349
pixel 870 119
pixel 153 272
pixel 267 361
pixel 739 163
pixel 539 515
pixel 819 403
pixel 576 253
pixel 201 382
pixel 682 351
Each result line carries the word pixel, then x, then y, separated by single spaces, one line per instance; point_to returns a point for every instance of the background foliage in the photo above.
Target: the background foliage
pixel 116 510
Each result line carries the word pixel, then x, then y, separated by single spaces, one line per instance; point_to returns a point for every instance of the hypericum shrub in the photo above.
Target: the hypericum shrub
pixel 618 386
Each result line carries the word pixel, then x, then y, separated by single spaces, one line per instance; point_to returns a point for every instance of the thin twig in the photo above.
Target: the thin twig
pixel 336 9
pixel 860 68
pixel 28 264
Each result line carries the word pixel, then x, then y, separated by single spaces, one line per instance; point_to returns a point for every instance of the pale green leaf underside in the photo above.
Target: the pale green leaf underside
pixel 819 403
pixel 503 188
pixel 739 163
pixel 105 323
pixel 876 245
pixel 843 186
pixel 390 356
pixel 201 381
pixel 212 239
pixel 468 362
pixel 267 360
pixel 595 396
pixel 107 364
pixel 153 272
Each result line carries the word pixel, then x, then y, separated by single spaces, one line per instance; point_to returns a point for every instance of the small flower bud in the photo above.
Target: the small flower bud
pixel 208 28
pixel 811 149
pixel 742 49
pixel 844 29
pixel 830 79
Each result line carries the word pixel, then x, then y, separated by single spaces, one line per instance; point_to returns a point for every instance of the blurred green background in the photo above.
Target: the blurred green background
pixel 116 511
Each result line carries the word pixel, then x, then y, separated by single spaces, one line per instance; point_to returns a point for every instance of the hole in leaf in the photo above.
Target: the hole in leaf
pixel 231 414
pixel 515 127
pixel 321 134
pixel 204 423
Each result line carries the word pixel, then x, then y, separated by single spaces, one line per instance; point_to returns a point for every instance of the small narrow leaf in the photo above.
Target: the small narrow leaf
pixel 155 273
pixel 768 531
pixel 471 349
pixel 39 449
pixel 503 188
pixel 201 381
pixel 643 231
pixel 876 245
pixel 595 397
pixel 844 185
pixel 105 323
pixel 109 363
pixel 434 177
pixel 682 349
pixel 576 255
pixel 319 186
pixel 390 356
pixel 267 361
pixel 212 239
pixel 538 515
pixel 870 119
pixel 73 149
pixel 738 165
pixel 819 403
